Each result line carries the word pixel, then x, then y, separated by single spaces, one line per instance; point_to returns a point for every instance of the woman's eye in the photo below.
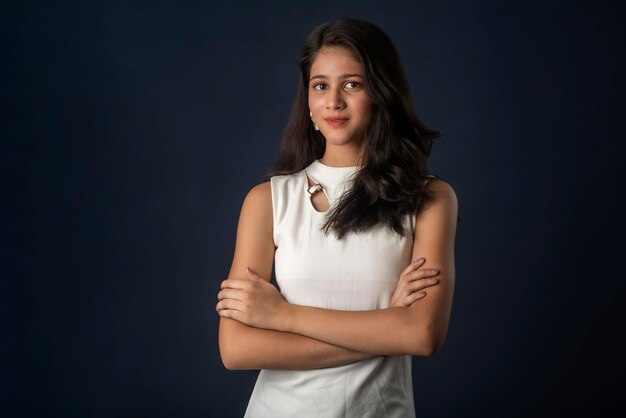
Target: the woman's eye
pixel 352 84
pixel 319 86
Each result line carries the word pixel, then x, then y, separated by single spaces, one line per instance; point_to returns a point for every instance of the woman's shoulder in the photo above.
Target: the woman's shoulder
pixel 440 187
pixel 261 194
pixel 286 183
pixel 443 197
pixel 259 199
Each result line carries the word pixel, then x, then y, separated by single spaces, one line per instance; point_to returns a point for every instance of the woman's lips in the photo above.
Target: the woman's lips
pixel 336 122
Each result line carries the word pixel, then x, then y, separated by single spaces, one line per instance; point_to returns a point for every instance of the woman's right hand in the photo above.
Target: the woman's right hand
pixel 411 284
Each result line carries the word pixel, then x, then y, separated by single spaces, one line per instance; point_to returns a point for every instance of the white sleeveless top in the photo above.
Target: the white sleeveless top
pixel 358 272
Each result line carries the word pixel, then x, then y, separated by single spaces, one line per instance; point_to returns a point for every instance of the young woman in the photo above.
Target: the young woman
pixel 359 231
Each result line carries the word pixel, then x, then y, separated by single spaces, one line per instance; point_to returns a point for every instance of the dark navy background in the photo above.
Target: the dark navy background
pixel 133 130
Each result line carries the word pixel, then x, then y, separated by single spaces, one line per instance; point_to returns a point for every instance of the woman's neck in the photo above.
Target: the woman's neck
pixel 342 157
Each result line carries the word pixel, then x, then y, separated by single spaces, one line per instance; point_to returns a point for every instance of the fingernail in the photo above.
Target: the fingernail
pixel 421 293
pixel 433 280
pixel 419 259
pixel 434 270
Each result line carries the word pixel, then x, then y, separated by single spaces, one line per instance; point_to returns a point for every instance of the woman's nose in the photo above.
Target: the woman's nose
pixel 334 99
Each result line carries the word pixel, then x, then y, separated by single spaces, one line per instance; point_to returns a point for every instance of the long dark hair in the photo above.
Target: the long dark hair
pixel 392 181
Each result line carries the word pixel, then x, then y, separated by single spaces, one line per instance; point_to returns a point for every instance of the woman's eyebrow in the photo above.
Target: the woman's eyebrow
pixel 341 77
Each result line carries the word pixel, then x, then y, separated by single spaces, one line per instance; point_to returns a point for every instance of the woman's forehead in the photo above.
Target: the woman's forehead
pixel 335 60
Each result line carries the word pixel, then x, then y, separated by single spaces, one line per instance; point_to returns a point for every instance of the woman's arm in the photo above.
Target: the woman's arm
pixel 244 347
pixel 418 329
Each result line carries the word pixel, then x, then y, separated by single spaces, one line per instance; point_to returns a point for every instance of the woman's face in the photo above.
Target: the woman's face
pixel 337 98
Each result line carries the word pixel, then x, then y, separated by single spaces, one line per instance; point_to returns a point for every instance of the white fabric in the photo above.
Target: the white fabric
pixel 359 272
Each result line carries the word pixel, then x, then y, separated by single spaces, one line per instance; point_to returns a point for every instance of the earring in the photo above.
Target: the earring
pixel 314 124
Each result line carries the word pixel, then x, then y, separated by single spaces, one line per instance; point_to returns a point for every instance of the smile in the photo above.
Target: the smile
pixel 336 122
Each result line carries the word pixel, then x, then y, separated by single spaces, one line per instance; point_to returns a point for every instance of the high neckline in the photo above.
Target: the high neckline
pixel 334 180
pixel 331 167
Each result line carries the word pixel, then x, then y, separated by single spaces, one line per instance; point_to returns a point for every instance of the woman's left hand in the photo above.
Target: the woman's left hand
pixel 253 301
pixel 411 284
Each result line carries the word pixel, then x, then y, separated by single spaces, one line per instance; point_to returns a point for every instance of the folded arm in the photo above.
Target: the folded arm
pixel 418 329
